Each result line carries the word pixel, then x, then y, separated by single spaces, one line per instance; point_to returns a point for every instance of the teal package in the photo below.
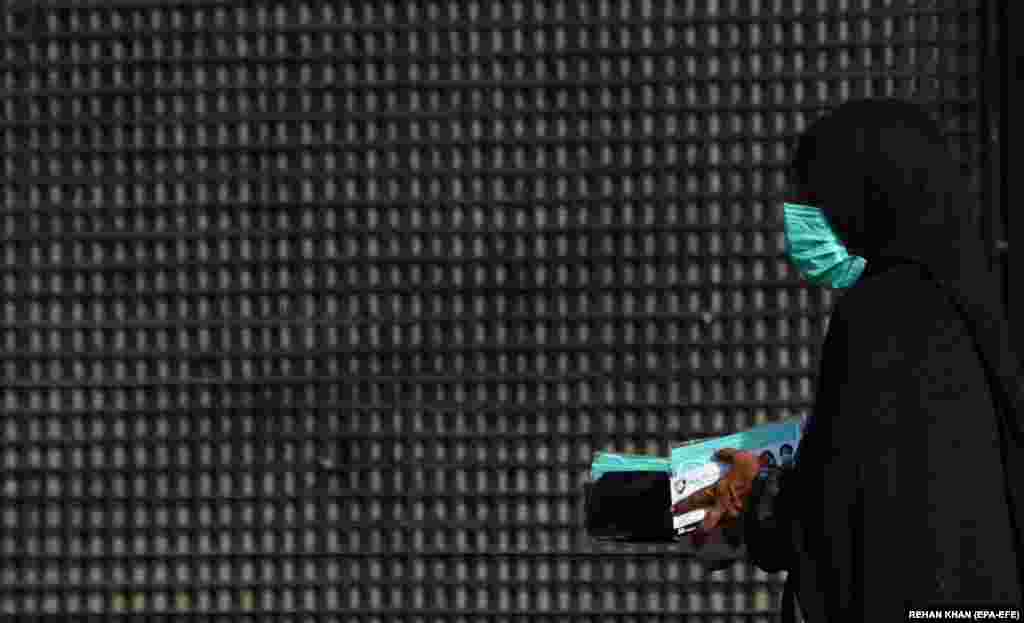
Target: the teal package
pixel 605 462
pixel 692 456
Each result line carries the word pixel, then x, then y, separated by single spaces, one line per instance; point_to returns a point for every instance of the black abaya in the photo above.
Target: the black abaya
pixel 908 479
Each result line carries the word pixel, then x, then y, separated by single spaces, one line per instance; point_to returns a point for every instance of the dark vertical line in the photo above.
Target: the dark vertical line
pixel 1013 227
pixel 193 418
pixel 995 93
pixel 28 530
pixel 985 214
pixel 404 100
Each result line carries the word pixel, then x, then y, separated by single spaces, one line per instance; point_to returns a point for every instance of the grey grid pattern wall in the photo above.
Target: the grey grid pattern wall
pixel 317 312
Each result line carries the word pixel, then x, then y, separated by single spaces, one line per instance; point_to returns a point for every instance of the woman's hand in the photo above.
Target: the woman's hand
pixel 725 499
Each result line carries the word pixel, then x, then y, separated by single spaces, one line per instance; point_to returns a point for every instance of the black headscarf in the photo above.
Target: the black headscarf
pixel 886 179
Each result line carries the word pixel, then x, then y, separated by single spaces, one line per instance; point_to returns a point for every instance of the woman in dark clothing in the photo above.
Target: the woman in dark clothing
pixel 908 486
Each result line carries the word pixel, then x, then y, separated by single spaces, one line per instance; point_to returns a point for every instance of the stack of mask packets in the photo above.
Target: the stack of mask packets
pixel 627 498
pixel 638 480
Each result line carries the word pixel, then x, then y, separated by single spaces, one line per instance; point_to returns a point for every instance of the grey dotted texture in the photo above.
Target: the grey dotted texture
pixel 318 311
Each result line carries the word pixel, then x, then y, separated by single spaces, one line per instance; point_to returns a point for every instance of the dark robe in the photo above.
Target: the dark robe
pixel 908 480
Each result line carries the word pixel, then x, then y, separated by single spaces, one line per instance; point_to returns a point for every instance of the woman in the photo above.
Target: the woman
pixel 901 491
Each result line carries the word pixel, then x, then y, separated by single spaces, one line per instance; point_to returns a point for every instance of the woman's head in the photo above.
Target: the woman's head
pixel 884 176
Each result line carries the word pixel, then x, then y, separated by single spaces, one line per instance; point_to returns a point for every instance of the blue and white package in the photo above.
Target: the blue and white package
pixel 694 468
pixel 605 462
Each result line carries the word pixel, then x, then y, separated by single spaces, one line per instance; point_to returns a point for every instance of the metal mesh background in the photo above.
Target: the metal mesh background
pixel 317 312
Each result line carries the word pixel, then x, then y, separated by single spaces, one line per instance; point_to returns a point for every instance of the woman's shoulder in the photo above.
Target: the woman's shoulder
pixel 901 289
pixel 896 304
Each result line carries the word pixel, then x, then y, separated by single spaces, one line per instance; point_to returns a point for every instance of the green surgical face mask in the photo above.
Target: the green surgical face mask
pixel 816 252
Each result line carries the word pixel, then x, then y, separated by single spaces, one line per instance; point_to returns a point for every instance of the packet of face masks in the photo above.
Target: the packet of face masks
pixel 693 467
pixel 605 462
pixel 627 498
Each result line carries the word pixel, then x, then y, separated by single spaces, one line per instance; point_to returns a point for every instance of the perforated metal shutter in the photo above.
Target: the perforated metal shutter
pixel 316 312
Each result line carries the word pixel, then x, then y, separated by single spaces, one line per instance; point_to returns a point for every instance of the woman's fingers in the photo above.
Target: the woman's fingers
pixel 726 496
pixel 726 455
pixel 699 499
pixel 717 526
pixel 734 501
pixel 712 518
